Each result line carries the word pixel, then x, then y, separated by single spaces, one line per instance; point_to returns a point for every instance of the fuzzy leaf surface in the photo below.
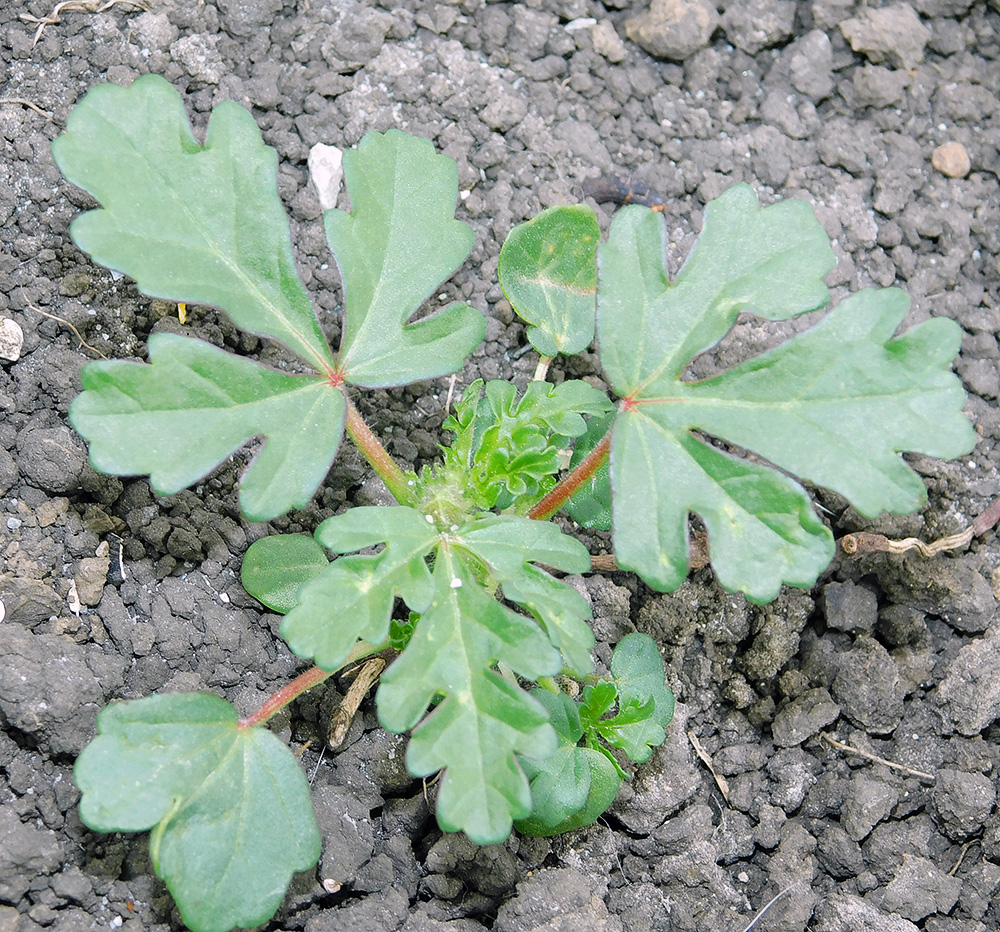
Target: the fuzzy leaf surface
pixel 229 807
pixel 352 598
pixel 179 416
pixel 548 271
pixel 509 546
pixel 835 405
pixel 274 568
pixel 188 222
pixel 398 243
pixel 484 720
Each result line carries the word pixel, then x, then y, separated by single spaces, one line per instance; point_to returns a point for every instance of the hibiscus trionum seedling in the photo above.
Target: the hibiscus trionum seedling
pixel 460 579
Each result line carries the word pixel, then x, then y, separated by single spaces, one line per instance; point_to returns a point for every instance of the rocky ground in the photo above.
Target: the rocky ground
pixel 840 103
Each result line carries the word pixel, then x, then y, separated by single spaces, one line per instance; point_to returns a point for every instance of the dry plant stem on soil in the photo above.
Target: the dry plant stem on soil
pixel 26 103
pixel 863 542
pixel 302 683
pixel 874 757
pixel 63 320
pixel 75 6
pixel 366 676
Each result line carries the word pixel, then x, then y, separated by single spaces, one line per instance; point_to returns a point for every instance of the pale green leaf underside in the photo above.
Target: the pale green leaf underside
pixel 193 405
pixel 398 243
pixel 835 405
pixel 353 597
pixel 474 733
pixel 188 222
pixel 548 271
pixel 231 806
pixel 769 262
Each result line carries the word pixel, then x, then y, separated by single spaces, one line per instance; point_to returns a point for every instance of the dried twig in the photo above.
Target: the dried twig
pixel 26 103
pixel 703 756
pixel 961 857
pixel 874 757
pixel 344 714
pixel 63 320
pixel 698 557
pixel 774 899
pixel 864 542
pixel 75 6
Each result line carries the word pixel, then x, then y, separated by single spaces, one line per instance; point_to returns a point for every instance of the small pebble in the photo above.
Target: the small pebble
pixel 952 160
pixel 13 524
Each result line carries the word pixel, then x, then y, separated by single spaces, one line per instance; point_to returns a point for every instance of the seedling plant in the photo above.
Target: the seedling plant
pixel 493 675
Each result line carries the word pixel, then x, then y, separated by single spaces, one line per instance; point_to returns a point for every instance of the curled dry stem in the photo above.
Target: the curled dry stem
pixel 74 6
pixel 864 542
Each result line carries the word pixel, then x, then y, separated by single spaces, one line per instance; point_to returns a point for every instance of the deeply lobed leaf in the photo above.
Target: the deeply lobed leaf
pixel 398 243
pixel 229 806
pixel 353 597
pixel 484 719
pixel 188 222
pixel 767 261
pixel 509 546
pixel 835 405
pixel 193 405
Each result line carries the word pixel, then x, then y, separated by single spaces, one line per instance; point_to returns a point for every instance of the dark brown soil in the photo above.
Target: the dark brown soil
pixel 897 656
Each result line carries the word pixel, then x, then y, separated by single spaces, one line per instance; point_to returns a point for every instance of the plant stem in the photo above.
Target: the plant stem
pixel 376 454
pixel 565 489
pixel 305 681
pixel 542 369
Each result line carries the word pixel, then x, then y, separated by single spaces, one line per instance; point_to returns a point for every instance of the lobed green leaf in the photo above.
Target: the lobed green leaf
pixel 645 704
pixel 398 243
pixel 509 545
pixel 229 806
pixel 767 261
pixel 188 222
pixel 193 405
pixel 352 598
pixel 484 720
pixel 835 405
pixel 548 271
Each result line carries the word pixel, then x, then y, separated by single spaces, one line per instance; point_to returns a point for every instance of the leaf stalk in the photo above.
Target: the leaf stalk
pixel 304 682
pixel 566 488
pixel 379 458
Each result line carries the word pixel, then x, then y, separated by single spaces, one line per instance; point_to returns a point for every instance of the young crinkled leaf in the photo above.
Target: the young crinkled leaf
pixel 506 447
pixel 229 806
pixel 548 272
pixel 484 719
pixel 398 243
pixel 645 705
pixel 193 405
pixel 353 597
pixel 835 405
pixel 188 222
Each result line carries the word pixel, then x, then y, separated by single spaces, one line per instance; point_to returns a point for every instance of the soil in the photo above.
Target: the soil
pixel 839 103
